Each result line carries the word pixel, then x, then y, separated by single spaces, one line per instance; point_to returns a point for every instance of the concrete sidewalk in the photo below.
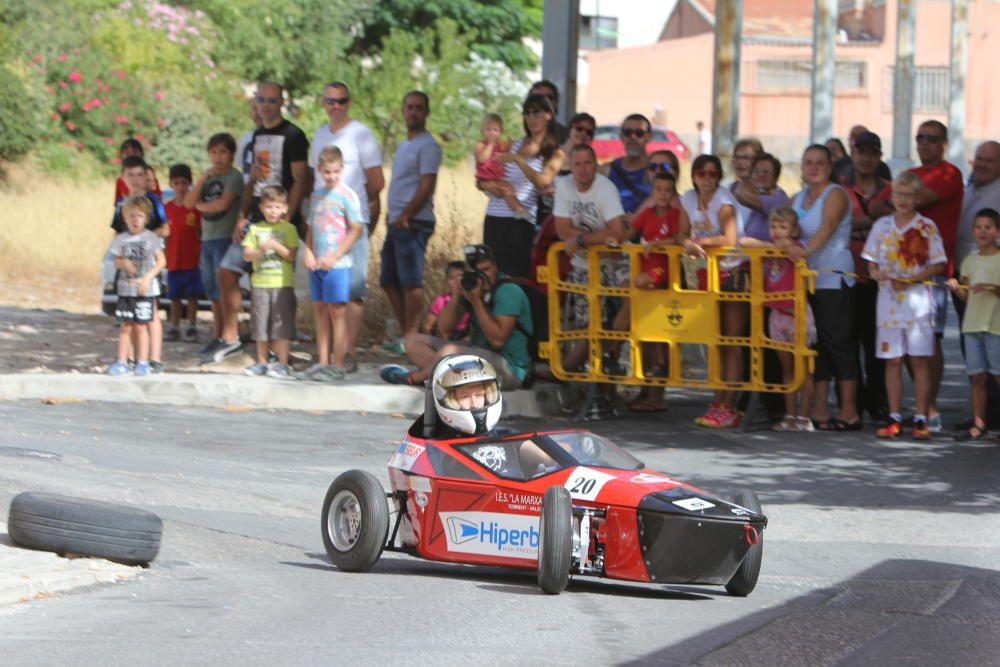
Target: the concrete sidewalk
pixel 26 574
pixel 362 392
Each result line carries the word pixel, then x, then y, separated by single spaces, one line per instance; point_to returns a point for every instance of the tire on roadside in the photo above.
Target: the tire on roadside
pixel 555 540
pixel 745 579
pixel 355 521
pixel 67 525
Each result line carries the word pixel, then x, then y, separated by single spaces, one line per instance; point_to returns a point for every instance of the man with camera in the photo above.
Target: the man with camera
pixel 500 326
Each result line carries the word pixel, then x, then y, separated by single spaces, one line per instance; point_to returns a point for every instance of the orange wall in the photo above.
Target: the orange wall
pixel 677 74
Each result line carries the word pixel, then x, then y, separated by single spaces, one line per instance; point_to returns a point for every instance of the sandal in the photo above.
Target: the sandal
pixel 838 424
pixel 641 406
pixel 974 434
pixel 788 423
pixel 805 424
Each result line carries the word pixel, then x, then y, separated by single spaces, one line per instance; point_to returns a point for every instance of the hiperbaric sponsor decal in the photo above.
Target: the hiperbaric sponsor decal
pixel 491 534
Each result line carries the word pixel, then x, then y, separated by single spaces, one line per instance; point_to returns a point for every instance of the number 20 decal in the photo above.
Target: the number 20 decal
pixel 585 484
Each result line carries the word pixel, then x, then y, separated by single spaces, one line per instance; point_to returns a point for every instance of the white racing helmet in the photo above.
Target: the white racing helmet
pixel 462 369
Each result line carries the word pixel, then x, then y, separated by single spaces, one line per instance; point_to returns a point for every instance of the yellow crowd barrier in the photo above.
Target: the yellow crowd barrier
pixel 679 317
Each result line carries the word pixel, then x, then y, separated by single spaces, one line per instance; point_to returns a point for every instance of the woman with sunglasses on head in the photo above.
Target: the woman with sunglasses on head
pixel 745 152
pixel 659 162
pixel 582 127
pixel 529 166
pixel 825 218
pixel 714 219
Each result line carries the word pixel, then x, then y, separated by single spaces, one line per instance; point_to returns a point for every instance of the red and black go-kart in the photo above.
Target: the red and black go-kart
pixel 582 506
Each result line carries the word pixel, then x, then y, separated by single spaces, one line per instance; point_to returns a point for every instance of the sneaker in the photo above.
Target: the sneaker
pixel 921 430
pixel 224 351
pixel 191 335
pixel 173 334
pixel 396 346
pixel 729 417
pixel 280 372
pixel 890 430
pixel 350 364
pixel 118 369
pixel 394 374
pixel 934 423
pixel 257 370
pixel 155 367
pixel 142 370
pixel 210 349
pixel 709 416
pixel 331 374
pixel 310 373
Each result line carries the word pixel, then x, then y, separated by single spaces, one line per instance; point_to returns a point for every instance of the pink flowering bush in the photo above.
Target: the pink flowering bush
pixel 93 108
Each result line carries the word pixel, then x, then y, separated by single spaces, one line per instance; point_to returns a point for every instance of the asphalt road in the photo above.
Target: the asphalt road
pixel 876 554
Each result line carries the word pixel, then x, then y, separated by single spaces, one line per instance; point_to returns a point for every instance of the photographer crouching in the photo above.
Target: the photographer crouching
pixel 500 326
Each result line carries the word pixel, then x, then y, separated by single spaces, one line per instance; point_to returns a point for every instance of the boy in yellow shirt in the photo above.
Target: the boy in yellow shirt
pixel 271 246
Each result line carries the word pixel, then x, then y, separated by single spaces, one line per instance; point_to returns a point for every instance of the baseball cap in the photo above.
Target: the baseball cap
pixel 868 139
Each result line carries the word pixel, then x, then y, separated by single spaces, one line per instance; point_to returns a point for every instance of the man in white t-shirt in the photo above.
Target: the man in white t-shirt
pixel 588 212
pixel 363 174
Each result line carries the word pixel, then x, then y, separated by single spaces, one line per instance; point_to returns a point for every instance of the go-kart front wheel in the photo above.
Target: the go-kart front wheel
pixel 555 540
pixel 355 521
pixel 745 579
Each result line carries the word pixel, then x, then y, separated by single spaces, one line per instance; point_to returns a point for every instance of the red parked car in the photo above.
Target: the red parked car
pixel 608 143
pixel 586 507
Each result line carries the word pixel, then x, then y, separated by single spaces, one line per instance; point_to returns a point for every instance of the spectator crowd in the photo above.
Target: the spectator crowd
pixel 887 250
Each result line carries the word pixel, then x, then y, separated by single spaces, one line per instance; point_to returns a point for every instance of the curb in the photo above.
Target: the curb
pixel 237 391
pixel 26 574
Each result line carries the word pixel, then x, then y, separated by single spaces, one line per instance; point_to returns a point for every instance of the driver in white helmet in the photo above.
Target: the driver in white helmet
pixel 468 401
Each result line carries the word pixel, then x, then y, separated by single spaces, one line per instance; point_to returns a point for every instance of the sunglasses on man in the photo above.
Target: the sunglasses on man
pixel 659 166
pixel 268 100
pixel 336 101
pixel 929 138
pixel 589 131
pixel 633 133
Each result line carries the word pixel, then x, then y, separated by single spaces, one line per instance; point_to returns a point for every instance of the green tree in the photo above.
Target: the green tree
pixel 295 42
pixel 499 26
pixel 439 61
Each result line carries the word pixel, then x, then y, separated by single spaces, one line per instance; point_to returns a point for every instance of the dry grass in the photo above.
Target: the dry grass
pixel 53 235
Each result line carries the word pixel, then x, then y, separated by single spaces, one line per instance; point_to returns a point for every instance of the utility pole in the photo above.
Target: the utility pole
pixel 959 68
pixel 726 83
pixel 560 43
pixel 902 83
pixel 824 71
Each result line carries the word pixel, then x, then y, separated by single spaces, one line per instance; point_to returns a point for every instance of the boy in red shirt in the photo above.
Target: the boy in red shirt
pixel 657 225
pixel 183 253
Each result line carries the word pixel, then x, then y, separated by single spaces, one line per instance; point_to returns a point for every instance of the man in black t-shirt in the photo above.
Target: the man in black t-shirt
pixel 281 152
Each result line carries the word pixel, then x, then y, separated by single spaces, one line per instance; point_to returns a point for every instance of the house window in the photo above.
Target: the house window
pixel 796 75
pixel 931 89
pixel 598 32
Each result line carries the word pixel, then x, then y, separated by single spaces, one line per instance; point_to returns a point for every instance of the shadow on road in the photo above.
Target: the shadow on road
pixel 900 612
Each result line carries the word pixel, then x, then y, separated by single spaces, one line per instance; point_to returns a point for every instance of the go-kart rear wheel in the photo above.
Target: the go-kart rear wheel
pixel 355 521
pixel 745 579
pixel 555 540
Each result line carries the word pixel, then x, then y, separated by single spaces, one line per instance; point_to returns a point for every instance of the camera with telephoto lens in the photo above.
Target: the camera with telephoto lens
pixel 471 279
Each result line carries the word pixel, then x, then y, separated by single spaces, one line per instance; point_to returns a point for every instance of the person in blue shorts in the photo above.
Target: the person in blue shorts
pixel 335 225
